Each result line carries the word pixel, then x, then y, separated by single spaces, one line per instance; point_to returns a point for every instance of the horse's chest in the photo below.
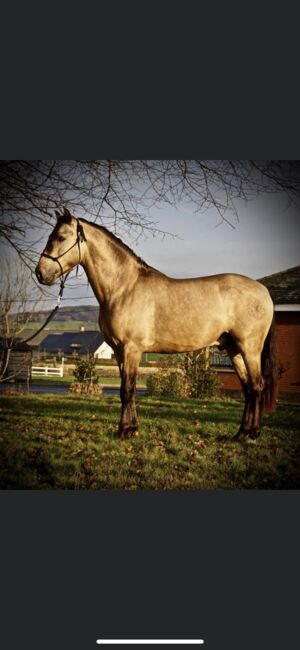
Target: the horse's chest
pixel 111 325
pixel 105 324
pixel 127 321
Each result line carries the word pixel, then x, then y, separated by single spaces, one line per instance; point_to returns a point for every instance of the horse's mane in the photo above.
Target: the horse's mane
pixel 118 243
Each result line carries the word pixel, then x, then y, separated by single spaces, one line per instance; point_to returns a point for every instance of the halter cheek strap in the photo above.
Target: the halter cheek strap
pixel 79 238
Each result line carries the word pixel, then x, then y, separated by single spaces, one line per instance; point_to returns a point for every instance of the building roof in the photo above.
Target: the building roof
pixel 284 286
pixel 17 344
pixel 38 338
pixel 86 342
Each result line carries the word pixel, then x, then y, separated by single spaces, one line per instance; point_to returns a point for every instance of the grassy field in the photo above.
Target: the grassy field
pixel 68 442
pixel 67 325
pixel 105 380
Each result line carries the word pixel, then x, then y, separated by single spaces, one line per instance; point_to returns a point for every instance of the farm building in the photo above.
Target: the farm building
pixel 74 344
pixel 284 288
pixel 19 360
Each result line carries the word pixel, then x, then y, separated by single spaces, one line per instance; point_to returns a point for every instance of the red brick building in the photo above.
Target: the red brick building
pixel 285 291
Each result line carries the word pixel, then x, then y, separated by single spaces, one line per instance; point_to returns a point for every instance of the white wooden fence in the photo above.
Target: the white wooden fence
pixel 47 371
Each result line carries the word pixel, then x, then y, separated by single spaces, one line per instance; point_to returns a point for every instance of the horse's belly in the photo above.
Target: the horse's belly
pixel 185 336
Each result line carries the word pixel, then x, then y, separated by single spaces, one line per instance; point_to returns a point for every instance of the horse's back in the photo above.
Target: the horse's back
pixel 182 314
pixel 223 288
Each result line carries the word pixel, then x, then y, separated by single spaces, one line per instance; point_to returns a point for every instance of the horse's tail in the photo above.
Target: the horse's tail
pixel 269 367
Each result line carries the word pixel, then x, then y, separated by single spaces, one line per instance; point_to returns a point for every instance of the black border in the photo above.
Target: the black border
pixel 80 566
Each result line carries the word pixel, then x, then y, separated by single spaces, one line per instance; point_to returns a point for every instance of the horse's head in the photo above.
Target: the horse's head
pixel 63 250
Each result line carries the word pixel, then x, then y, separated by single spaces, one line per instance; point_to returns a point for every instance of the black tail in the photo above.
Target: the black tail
pixel 269 367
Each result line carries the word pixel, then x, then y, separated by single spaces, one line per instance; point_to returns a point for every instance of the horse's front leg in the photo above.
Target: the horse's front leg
pixel 128 370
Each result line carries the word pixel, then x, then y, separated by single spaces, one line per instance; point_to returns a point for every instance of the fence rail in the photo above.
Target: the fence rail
pixel 47 371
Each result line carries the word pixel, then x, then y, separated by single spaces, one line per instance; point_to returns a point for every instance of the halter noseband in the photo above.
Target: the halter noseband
pixel 79 238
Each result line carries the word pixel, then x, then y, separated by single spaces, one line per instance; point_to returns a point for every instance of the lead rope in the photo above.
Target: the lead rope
pixel 59 297
pixel 11 345
pixel 80 237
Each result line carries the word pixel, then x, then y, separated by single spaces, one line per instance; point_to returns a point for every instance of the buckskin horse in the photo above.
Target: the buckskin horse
pixel 143 310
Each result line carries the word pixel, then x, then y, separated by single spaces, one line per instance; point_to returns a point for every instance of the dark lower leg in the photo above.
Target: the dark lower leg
pixel 250 425
pixel 246 422
pixel 128 360
pixel 256 410
pixel 128 422
pixel 241 371
pixel 252 384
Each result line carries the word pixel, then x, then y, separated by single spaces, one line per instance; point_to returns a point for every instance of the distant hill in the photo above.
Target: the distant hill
pixel 83 313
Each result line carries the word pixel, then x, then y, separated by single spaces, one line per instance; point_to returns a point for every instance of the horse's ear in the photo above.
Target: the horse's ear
pixel 67 216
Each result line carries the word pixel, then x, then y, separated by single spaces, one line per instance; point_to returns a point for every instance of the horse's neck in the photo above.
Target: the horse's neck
pixel 108 273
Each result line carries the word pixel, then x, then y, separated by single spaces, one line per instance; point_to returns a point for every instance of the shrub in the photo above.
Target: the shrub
pixel 86 376
pixel 85 371
pixel 82 388
pixel 186 375
pixel 201 379
pixel 168 382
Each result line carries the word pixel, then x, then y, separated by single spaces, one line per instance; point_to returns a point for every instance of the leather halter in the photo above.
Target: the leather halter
pixel 79 238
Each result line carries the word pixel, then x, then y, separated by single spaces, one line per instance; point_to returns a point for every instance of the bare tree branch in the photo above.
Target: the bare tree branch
pixel 19 301
pixel 121 193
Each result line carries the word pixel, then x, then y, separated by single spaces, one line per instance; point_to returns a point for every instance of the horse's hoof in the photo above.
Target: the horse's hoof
pixel 254 434
pixel 247 437
pixel 240 436
pixel 128 432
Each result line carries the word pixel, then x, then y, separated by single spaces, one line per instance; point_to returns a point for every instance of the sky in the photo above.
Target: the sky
pixel 264 241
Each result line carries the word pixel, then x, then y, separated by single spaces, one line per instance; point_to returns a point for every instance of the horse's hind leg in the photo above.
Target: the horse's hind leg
pixel 252 358
pixel 256 387
pixel 128 359
pixel 241 371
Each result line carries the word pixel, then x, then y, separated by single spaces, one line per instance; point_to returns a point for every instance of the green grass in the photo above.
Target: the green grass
pixel 70 325
pixel 41 379
pixel 70 442
pixel 106 380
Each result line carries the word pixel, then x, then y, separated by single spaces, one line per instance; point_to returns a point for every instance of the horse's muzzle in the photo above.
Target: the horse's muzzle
pixel 44 278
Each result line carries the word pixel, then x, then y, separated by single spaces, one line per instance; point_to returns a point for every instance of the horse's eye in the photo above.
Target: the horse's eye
pixel 61 238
